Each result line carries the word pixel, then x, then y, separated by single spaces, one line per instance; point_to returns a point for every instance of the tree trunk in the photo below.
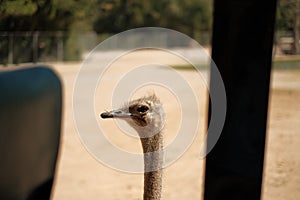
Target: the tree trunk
pixel 297 28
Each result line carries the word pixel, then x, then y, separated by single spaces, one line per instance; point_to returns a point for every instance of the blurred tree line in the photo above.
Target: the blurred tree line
pixel 186 16
pixel 105 16
pixel 54 18
pixel 288 20
pixel 113 16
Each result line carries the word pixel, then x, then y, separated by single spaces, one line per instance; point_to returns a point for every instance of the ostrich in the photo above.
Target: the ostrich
pixel 146 116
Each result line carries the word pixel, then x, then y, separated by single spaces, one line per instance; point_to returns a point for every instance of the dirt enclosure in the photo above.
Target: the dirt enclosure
pixel 80 176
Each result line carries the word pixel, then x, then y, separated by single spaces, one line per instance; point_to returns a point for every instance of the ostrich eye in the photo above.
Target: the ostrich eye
pixel 142 109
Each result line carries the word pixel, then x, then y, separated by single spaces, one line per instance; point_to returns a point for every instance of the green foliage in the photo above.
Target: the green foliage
pixel 103 16
pixel 288 22
pixel 113 16
pixel 42 15
pixel 13 7
pixel 187 16
pixel 286 15
pixel 192 16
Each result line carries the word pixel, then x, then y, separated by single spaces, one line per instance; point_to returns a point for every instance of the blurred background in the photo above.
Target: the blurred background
pixel 62 32
pixel 65 30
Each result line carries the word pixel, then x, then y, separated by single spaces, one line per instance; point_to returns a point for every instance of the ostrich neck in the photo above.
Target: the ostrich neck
pixel 153 160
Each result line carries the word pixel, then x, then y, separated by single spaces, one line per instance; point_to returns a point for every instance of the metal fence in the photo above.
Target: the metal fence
pixel 22 47
pixel 32 47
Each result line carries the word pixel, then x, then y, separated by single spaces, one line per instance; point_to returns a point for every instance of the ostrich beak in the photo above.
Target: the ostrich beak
pixel 116 114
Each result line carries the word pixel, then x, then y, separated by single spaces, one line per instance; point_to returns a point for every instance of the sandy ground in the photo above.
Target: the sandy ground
pixel 80 176
pixel 282 168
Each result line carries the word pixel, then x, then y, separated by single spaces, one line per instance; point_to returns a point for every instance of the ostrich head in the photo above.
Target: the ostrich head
pixel 145 115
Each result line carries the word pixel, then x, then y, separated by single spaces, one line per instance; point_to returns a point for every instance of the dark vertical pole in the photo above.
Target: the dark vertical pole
pixel 10 59
pixel 60 46
pixel 242 50
pixel 35 38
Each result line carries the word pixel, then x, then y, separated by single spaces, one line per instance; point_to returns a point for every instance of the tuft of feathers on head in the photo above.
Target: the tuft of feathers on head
pixel 149 98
